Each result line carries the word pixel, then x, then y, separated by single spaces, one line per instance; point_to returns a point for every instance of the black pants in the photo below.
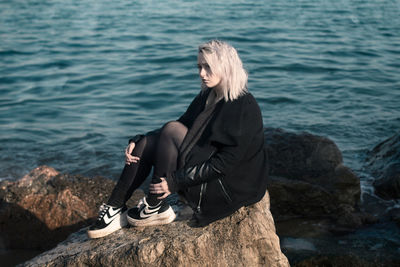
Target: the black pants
pixel 160 151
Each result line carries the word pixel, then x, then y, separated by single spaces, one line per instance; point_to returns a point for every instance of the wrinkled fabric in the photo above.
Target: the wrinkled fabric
pixel 227 166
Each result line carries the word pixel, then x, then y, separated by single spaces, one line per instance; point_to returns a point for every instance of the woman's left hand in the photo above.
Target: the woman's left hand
pixel 160 188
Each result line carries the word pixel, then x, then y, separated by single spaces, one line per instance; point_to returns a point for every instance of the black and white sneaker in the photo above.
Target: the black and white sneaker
pixel 145 215
pixel 110 219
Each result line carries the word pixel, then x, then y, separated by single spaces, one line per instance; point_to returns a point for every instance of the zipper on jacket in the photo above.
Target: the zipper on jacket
pixel 224 191
pixel 212 154
pixel 202 189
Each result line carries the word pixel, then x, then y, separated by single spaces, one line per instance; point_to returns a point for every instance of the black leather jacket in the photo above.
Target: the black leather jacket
pixel 227 167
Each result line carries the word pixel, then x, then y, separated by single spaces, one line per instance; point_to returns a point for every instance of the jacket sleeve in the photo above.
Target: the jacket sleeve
pixel 193 175
pixel 232 144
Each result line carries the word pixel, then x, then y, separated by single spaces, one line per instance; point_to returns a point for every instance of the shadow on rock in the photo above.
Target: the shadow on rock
pixel 21 229
pixel 44 207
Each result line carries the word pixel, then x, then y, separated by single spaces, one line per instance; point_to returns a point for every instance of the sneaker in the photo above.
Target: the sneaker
pixel 145 215
pixel 110 219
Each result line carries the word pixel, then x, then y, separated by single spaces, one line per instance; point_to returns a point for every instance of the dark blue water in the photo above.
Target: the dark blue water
pixel 78 78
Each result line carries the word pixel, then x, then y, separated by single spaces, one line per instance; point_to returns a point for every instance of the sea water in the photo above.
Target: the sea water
pixel 79 78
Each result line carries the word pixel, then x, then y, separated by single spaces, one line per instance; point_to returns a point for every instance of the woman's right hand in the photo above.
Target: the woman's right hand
pixel 128 154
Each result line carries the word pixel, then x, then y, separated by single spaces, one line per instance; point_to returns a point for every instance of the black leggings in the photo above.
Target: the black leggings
pixel 159 150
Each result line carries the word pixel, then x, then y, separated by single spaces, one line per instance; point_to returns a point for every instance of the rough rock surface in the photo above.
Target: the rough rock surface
pixel 247 238
pixel 347 260
pixel 44 207
pixel 308 179
pixel 308 185
pixel 383 162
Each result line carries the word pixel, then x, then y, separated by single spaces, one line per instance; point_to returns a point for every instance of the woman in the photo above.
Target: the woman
pixel 213 154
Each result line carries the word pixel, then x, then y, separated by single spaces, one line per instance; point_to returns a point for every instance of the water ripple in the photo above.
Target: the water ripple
pixel 77 79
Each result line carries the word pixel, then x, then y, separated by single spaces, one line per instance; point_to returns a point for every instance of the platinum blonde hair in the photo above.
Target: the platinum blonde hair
pixel 224 61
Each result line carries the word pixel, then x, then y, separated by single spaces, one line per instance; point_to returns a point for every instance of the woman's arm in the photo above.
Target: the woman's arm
pixel 129 158
pixel 217 166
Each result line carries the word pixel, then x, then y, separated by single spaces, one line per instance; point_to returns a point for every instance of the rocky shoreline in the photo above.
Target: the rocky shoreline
pixel 315 202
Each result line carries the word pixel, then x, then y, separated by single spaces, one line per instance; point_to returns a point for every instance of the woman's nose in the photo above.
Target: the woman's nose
pixel 202 73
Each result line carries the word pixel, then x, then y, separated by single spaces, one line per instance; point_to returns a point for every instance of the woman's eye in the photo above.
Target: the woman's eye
pixel 206 67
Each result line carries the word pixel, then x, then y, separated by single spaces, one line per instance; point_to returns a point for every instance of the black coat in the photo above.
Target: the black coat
pixel 227 167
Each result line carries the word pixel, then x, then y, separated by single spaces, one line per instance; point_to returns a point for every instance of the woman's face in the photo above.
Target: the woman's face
pixel 207 77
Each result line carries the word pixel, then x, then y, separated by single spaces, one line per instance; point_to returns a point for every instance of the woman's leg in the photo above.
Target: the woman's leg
pixel 162 150
pixel 112 216
pixel 133 175
pixel 154 211
pixel 167 152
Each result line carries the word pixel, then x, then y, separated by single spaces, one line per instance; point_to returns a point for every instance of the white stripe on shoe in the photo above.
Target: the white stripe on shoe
pixel 145 215
pixel 165 217
pixel 110 220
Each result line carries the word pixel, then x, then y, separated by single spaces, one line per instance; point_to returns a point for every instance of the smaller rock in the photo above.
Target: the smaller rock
pixel 308 179
pixel 41 173
pixel 347 259
pixel 388 186
pixel 383 161
pixel 302 156
pixel 384 154
pixel 395 215
pixel 44 207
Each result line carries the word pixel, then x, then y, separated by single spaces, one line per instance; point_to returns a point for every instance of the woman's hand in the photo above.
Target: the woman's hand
pixel 128 154
pixel 160 188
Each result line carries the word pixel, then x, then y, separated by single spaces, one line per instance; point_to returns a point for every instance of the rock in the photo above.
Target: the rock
pixel 395 215
pixel 308 179
pixel 44 207
pixel 301 155
pixel 383 161
pixel 388 186
pixel 346 260
pixel 246 238
pixel 383 155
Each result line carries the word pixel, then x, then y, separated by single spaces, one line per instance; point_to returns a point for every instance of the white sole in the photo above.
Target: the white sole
pixel 115 225
pixel 166 217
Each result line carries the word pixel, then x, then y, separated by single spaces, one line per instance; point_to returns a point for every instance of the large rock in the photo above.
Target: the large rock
pixel 247 238
pixel 383 161
pixel 308 179
pixel 44 207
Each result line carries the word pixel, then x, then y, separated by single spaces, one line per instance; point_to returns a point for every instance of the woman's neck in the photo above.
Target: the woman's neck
pixel 217 92
pixel 213 98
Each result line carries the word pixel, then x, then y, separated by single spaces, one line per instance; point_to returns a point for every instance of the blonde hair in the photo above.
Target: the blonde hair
pixel 224 61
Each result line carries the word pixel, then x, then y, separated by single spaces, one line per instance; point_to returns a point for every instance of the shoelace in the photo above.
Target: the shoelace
pixel 102 211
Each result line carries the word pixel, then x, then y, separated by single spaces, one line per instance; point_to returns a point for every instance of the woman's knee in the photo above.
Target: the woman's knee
pixel 174 131
pixel 174 128
pixel 140 146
